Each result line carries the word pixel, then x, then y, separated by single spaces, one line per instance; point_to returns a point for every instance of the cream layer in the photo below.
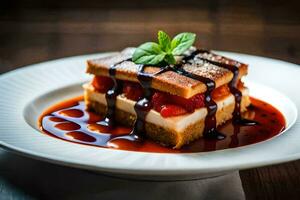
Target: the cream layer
pixel 177 123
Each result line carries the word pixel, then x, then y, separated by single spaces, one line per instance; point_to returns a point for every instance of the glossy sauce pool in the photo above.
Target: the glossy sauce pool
pixel 70 121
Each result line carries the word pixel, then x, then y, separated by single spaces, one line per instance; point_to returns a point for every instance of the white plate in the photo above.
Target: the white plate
pixel 26 92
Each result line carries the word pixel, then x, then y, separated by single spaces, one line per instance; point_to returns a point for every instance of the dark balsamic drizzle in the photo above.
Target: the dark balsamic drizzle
pixel 111 96
pixel 143 105
pixel 210 128
pixel 237 118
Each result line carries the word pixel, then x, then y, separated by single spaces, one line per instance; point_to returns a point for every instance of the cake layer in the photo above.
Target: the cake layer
pixel 169 81
pixel 174 131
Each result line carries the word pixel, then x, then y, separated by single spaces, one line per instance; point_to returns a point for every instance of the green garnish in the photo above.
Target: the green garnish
pixel 151 53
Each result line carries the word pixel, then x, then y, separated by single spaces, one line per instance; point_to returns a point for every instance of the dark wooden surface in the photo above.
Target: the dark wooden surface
pixel 35 31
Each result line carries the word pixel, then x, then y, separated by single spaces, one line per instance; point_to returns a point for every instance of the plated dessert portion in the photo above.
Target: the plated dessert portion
pixel 184 102
pixel 166 95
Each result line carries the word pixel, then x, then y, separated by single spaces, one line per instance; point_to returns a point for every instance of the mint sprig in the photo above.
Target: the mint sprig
pixel 151 53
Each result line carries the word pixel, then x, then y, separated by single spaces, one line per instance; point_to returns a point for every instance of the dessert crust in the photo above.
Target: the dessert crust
pixel 169 81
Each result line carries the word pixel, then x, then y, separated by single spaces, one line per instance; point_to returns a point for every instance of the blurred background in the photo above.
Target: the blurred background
pixel 33 31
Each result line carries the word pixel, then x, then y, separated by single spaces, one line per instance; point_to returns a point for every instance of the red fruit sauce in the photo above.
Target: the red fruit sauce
pixel 70 121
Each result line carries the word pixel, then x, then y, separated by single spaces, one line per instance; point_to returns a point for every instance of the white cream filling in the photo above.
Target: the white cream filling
pixel 178 123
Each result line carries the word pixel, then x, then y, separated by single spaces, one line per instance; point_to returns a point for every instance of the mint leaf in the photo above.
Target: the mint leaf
pixel 149 53
pixel 164 41
pixel 169 58
pixel 182 42
pixel 163 52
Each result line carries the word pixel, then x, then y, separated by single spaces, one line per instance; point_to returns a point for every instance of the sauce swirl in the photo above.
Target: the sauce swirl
pixel 64 121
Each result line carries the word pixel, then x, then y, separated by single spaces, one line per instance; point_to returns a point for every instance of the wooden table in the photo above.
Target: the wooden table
pixel 35 31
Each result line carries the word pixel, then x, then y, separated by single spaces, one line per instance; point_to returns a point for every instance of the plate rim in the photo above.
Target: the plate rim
pixel 50 158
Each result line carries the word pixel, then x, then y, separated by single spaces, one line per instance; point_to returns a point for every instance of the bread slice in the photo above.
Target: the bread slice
pixel 169 81
pixel 172 131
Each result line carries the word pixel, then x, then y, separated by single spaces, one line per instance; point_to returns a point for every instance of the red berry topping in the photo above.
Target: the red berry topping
pixel 158 100
pixel 161 99
pixel 183 102
pixel 220 92
pixel 102 83
pixel 198 100
pixel 170 110
pixel 132 91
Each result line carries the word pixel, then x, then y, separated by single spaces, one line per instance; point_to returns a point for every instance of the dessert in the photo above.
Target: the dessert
pixel 172 102
pixel 165 97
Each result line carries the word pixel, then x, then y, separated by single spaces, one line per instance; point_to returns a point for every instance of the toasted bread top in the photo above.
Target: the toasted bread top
pixel 168 81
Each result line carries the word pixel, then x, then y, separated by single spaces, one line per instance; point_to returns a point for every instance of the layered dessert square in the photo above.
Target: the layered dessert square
pixel 170 104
